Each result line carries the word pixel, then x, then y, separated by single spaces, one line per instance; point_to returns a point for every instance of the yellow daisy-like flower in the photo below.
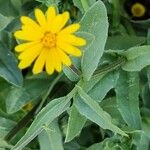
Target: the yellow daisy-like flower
pixel 48 43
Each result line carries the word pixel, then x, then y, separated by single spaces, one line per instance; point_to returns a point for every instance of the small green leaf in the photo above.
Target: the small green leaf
pixel 98 26
pixel 75 124
pixel 51 138
pixel 82 8
pixel 91 110
pixel 8 67
pixel 4 21
pixel 45 117
pixel 137 58
pixel 127 93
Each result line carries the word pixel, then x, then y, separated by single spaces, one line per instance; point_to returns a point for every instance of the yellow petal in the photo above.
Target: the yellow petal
pixel 59 22
pixel 25 46
pixel 50 61
pixel 70 29
pixel 27 35
pixel 51 14
pixel 29 22
pixel 69 49
pixel 58 65
pixel 24 64
pixel 55 26
pixel 31 53
pixel 34 31
pixel 64 58
pixel 40 61
pixel 71 39
pixel 66 17
pixel 28 58
pixel 41 18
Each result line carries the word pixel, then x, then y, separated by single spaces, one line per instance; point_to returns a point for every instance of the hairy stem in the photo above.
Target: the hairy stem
pixel 48 92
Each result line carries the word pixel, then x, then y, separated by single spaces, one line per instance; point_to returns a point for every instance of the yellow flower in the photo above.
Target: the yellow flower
pixel 48 42
pixel 138 10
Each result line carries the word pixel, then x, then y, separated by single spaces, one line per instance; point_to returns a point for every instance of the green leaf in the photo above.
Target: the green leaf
pixel 8 9
pixel 75 124
pixel 96 146
pixel 143 24
pixel 51 138
pixel 4 144
pixel 73 145
pixel 127 93
pixel 71 73
pixel 7 38
pixel 88 85
pixel 5 126
pixel 30 91
pixel 45 117
pixel 4 21
pixel 145 94
pixel 49 2
pixel 110 105
pixel 91 110
pixel 146 126
pixel 98 26
pixel 137 58
pixel 140 140
pixel 82 8
pixel 113 143
pixel 89 39
pixel 124 42
pixel 8 67
pixel 99 91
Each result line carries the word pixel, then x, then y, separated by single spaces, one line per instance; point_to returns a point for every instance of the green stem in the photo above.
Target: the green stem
pixel 116 15
pixel 85 5
pixel 48 92
pixel 72 93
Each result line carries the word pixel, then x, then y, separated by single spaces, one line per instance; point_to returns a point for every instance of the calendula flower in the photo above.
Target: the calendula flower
pixel 48 42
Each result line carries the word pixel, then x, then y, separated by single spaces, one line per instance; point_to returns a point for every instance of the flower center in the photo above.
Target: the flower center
pixel 138 10
pixel 49 40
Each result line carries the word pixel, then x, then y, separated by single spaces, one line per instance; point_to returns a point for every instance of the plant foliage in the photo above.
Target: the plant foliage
pixel 101 102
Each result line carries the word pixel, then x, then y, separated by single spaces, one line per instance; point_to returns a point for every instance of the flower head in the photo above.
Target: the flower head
pixel 138 10
pixel 48 42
